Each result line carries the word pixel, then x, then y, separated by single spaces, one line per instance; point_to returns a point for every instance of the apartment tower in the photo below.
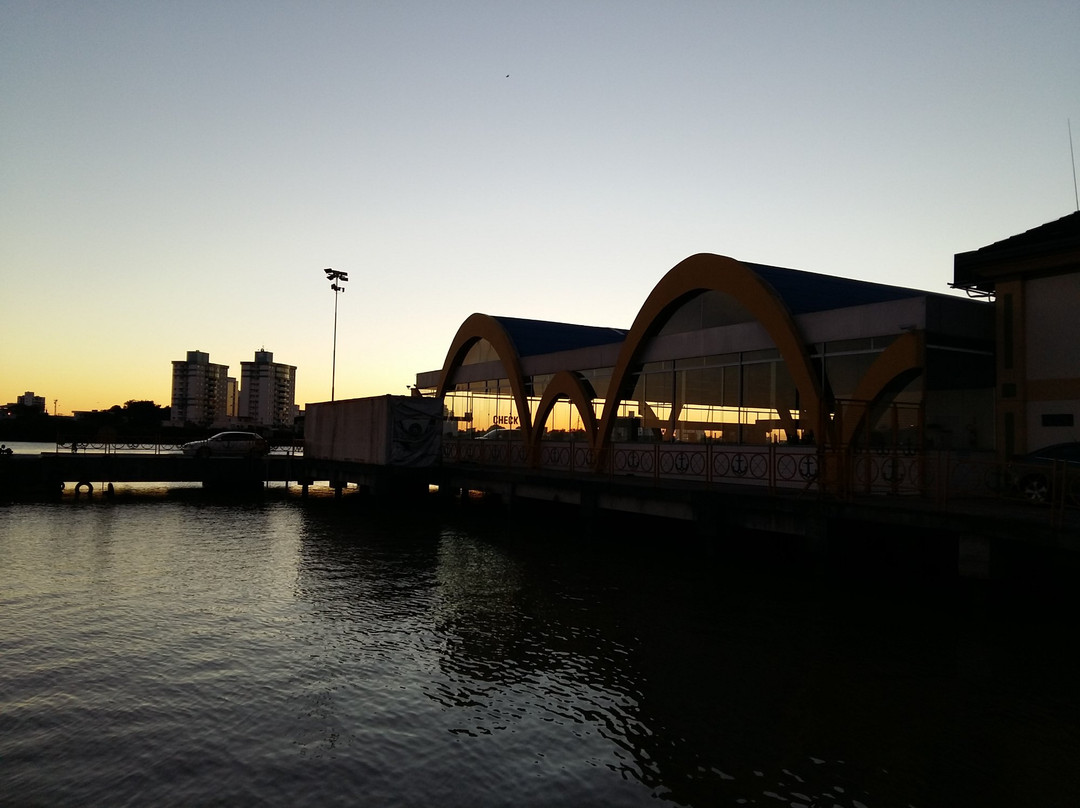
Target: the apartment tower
pixel 267 391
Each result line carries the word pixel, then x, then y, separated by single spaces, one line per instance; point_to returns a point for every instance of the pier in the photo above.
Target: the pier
pixel 927 512
pixel 48 473
pixel 932 511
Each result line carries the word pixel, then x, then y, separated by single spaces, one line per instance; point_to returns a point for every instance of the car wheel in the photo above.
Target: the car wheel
pixel 1035 489
pixel 203 452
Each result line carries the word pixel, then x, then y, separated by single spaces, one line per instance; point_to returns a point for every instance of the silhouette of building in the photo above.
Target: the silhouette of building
pixel 733 352
pixel 267 391
pixel 1034 279
pixel 29 401
pixel 200 390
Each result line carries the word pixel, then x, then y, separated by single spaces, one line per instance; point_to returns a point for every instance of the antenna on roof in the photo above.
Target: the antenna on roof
pixel 1076 196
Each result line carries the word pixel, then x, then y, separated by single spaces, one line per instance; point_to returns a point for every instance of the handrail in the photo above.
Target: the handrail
pixel 943 478
pixel 153 444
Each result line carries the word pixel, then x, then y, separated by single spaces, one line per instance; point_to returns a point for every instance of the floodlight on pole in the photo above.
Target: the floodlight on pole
pixel 337 283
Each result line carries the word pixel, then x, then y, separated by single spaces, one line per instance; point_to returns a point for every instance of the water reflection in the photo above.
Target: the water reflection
pixel 709 684
pixel 192 651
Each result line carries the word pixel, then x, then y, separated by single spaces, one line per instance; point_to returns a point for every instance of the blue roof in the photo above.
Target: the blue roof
pixel 533 337
pixel 805 292
pixel 802 292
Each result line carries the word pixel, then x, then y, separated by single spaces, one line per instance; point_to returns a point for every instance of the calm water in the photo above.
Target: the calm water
pixel 165 648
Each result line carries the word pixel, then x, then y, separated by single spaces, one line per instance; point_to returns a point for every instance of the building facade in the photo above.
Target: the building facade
pixel 267 392
pixel 1034 280
pixel 199 391
pixel 31 402
pixel 724 351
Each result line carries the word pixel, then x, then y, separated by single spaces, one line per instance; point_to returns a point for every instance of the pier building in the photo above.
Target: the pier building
pixel 730 352
pixel 1034 279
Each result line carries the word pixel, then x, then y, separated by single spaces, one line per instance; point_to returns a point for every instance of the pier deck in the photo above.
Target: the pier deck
pixel 973 529
pixel 44 473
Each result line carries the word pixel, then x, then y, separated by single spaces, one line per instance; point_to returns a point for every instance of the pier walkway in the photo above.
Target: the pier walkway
pixel 957 501
pixel 48 473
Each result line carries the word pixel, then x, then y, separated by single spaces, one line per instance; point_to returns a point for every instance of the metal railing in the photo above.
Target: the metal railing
pixel 152 445
pixel 940 477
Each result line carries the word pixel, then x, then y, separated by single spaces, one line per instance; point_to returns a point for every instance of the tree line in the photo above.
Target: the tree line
pixel 131 419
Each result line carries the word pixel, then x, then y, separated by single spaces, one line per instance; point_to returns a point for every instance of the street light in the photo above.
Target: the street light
pixel 337 283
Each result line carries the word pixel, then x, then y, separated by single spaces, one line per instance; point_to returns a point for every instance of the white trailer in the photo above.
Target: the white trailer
pixel 394 431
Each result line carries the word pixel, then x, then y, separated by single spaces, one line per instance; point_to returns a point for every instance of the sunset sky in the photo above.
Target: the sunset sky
pixel 175 176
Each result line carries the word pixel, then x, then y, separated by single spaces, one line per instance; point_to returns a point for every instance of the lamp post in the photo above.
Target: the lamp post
pixel 337 283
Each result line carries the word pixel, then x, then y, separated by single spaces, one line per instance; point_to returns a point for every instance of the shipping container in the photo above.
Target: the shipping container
pixel 399 431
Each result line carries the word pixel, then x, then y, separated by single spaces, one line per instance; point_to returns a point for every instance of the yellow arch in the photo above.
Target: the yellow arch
pixel 565 384
pixel 895 366
pixel 695 275
pixel 483 326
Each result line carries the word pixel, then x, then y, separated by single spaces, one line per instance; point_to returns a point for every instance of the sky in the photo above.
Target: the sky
pixel 175 176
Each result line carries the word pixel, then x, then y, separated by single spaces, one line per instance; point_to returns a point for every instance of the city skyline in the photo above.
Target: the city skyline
pixel 171 171
pixel 235 378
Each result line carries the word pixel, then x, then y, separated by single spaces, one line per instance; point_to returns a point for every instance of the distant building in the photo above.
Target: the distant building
pixel 29 401
pixel 200 391
pixel 267 391
pixel 1034 278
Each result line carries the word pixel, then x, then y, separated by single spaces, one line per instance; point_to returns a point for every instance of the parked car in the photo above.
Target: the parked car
pixel 1035 474
pixel 228 444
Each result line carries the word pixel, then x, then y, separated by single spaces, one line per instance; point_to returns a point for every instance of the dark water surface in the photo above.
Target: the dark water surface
pixel 168 649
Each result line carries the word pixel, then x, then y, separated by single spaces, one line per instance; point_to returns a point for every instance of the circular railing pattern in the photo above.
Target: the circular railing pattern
pixel 896 472
pixel 740 465
pixel 555 456
pixel 689 463
pixel 786 467
pixel 865 470
pixel 759 466
pixel 583 457
pixel 634 461
pixel 468 451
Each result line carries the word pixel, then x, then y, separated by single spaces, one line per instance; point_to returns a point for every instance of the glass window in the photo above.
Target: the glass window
pixel 757 385
pixel 540 383
pixel 732 389
pixel 706 310
pixel 845 372
pixel 564 421
pixel 481 351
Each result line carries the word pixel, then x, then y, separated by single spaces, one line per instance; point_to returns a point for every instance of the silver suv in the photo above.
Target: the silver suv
pixel 228 444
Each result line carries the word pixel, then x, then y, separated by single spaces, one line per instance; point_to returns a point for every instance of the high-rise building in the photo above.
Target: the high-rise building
pixel 267 391
pixel 199 391
pixel 32 402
